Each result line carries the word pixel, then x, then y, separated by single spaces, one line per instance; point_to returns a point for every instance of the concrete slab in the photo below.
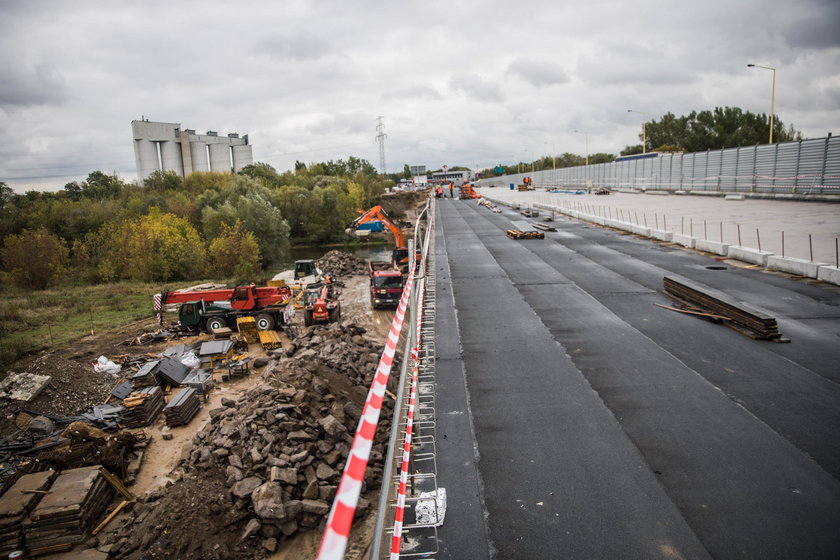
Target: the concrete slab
pixel 684 240
pixel 829 274
pixel 712 247
pixel 748 254
pixel 794 266
pixel 23 386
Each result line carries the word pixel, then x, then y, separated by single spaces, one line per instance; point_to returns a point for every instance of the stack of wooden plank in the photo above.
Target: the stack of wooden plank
pixel 142 407
pixel 269 340
pixel 76 501
pixel 182 407
pixel 519 234
pixel 15 506
pixel 247 327
pixel 740 316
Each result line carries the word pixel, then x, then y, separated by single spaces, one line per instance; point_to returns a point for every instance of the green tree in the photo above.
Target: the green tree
pixel 631 150
pixel 235 253
pixel 34 259
pixel 162 181
pixel 724 127
pixel 263 172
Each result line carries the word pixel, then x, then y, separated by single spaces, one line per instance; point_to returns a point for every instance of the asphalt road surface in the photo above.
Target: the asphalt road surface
pixel 576 419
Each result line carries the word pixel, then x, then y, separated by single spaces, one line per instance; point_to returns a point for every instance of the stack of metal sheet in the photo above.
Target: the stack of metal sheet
pixel 16 504
pixel 142 407
pixel 76 501
pixel 171 371
pixel 182 407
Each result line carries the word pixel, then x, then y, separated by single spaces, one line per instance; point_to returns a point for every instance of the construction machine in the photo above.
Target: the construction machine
pixel 321 304
pixel 399 257
pixel 210 310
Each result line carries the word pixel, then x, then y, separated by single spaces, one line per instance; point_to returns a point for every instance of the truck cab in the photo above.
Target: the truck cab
pixel 386 285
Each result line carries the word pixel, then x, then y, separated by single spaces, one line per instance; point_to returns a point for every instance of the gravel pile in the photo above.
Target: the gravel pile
pixel 342 264
pixel 269 463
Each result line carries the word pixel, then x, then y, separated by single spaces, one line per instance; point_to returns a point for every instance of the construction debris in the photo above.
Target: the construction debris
pixel 269 462
pixel 486 203
pixel 15 506
pixel 545 227
pixel 182 408
pixel 518 234
pixel 341 264
pixel 142 407
pixel 739 316
pixel 77 499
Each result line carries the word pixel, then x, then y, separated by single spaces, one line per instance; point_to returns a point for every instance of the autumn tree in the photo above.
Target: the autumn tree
pixel 34 259
pixel 235 253
pixel 155 247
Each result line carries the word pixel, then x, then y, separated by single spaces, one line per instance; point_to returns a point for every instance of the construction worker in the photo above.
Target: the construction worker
pixel 451 186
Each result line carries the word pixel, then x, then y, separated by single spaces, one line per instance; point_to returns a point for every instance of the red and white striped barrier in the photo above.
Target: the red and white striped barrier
pixel 396 538
pixel 343 509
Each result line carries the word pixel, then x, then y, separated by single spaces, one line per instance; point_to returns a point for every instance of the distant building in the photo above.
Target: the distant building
pixel 162 146
pixel 457 177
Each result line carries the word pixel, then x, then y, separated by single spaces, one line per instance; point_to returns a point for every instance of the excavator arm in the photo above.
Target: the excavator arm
pixel 378 213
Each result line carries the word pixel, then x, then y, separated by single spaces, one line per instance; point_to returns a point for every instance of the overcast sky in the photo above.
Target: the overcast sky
pixel 458 83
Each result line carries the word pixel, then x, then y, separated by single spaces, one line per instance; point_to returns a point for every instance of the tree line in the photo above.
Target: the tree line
pixel 169 228
pixel 723 127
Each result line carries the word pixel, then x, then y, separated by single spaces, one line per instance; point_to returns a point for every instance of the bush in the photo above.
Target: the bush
pixel 34 259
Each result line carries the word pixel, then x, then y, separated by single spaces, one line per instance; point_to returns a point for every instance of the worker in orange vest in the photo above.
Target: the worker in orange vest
pixel 451 185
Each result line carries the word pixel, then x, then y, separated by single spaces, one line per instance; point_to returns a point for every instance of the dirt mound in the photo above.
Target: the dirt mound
pixel 401 205
pixel 72 388
pixel 267 465
pixel 342 264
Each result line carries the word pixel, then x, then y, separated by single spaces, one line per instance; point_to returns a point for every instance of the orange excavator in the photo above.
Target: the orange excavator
pixel 399 257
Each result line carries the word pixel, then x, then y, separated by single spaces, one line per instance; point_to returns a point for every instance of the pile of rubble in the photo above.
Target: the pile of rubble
pixel 268 464
pixel 71 388
pixel 341 264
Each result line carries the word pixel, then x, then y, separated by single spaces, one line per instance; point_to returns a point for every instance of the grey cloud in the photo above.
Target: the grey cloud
pixel 26 84
pixel 538 73
pixel 412 92
pixel 355 122
pixel 477 87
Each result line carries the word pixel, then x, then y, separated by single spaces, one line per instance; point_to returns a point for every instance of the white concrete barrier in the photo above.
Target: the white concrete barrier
pixel 640 230
pixel 748 254
pixel 712 247
pixel 829 274
pixel 794 266
pixel 662 235
pixel 684 240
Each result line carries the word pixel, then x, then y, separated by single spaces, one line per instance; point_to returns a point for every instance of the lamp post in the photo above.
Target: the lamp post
pixel 644 130
pixel 772 95
pixel 586 135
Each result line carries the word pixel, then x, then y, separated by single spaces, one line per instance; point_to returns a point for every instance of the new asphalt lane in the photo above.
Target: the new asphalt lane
pixel 576 419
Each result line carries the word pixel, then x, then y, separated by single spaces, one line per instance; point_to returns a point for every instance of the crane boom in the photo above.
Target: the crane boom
pixel 400 254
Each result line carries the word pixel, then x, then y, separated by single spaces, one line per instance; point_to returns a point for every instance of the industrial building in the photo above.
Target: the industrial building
pixel 160 146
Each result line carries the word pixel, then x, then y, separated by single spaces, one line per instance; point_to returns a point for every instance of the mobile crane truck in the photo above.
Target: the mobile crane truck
pixel 208 310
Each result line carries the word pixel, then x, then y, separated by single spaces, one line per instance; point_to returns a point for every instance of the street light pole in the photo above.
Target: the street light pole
pixel 772 95
pixel 644 130
pixel 586 136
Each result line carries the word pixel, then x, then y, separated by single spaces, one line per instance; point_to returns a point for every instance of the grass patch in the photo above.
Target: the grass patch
pixel 34 321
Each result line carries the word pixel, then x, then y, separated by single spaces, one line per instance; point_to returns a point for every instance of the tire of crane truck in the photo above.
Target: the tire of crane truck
pixel 335 314
pixel 214 323
pixel 307 317
pixel 265 322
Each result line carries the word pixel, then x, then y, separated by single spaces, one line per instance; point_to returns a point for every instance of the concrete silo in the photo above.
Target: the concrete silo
pixel 198 150
pixel 170 156
pixel 243 155
pixel 146 157
pixel 220 157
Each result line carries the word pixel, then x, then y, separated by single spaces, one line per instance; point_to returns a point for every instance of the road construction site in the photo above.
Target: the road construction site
pixel 586 392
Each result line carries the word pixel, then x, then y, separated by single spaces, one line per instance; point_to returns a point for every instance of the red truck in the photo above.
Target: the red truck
pixel 386 284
